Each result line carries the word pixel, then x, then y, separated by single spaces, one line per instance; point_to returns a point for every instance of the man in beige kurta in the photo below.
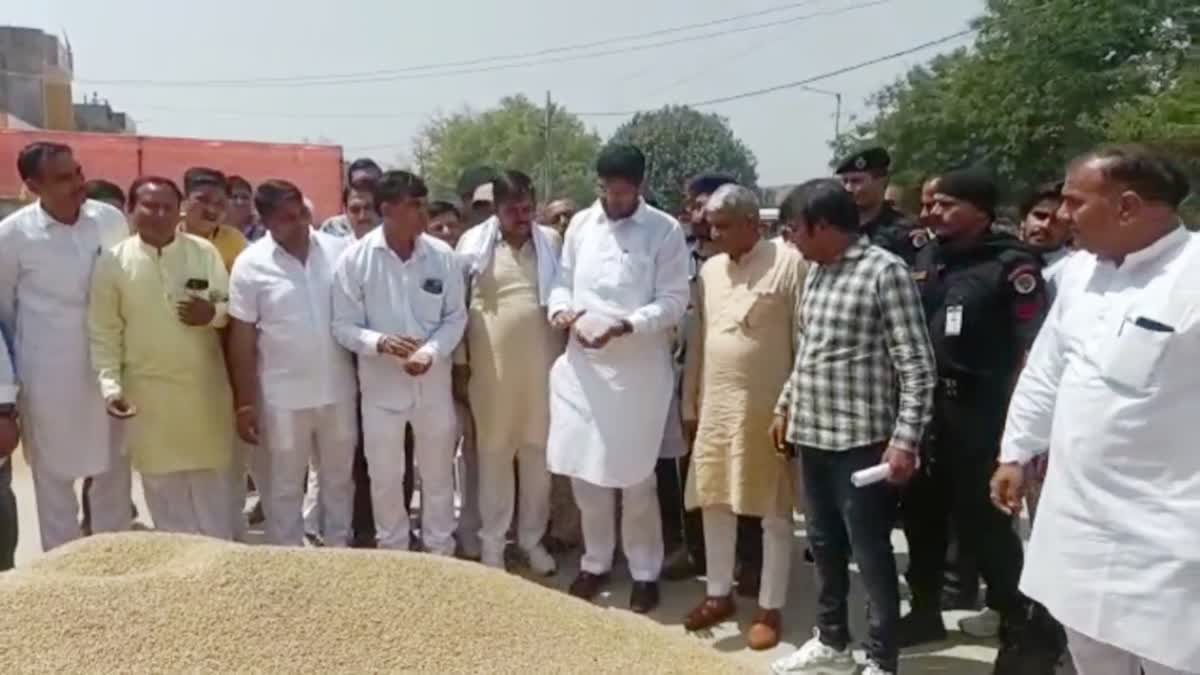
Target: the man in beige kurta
pixel 740 352
pixel 509 349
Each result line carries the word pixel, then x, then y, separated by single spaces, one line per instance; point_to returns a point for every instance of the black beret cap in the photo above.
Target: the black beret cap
pixel 974 186
pixel 874 159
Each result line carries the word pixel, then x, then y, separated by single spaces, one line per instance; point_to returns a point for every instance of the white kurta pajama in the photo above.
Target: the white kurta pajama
pixel 307 383
pixel 608 407
pixel 376 293
pixel 1110 388
pixel 45 278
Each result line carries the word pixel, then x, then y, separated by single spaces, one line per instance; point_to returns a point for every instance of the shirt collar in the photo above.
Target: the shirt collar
pixel 856 250
pixel 1165 244
pixel 375 239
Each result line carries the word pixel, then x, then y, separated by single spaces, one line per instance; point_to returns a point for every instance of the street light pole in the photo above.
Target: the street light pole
pixel 837 116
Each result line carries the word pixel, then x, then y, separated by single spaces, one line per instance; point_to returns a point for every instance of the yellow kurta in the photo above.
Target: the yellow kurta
pixel 510 347
pixel 229 242
pixel 172 373
pixel 741 347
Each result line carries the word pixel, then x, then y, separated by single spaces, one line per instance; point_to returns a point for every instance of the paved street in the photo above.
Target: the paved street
pixel 959 656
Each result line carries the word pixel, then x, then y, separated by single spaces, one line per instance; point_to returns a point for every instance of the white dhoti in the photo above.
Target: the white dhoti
pixel 329 434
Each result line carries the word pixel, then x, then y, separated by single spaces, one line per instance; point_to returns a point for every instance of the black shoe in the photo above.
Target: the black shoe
pixel 1031 643
pixel 808 556
pixel 644 597
pixel 920 627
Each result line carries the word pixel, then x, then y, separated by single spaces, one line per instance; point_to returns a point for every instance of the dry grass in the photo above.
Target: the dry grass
pixel 165 603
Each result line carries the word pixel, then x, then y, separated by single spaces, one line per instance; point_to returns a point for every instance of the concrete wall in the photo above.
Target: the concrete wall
pixel 35 78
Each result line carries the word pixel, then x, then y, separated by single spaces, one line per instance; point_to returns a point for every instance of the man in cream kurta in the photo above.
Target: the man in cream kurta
pixel 47 251
pixel 622 287
pixel 158 300
pixel 741 349
pixel 509 348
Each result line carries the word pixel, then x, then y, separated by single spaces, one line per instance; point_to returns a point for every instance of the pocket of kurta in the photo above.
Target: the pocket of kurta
pixel 1134 356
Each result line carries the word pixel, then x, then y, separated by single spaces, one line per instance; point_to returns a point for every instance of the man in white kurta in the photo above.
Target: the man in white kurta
pixel 1111 388
pixel 283 353
pixel 399 303
pixel 622 287
pixel 47 251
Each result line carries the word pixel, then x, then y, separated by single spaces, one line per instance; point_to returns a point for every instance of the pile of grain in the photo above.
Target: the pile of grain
pixel 165 603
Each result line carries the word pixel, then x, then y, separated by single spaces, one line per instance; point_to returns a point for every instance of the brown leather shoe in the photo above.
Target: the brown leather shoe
pixel 765 630
pixel 587 585
pixel 644 597
pixel 710 613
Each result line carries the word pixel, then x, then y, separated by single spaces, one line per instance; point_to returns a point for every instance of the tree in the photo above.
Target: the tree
pixel 1035 89
pixel 510 136
pixel 681 142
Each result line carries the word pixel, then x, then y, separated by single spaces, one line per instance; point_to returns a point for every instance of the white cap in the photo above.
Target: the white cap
pixel 483 193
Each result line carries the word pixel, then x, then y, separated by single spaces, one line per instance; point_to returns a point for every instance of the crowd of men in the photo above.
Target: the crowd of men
pixel 532 366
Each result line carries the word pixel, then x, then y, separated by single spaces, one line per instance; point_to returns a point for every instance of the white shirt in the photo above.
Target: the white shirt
pixel 376 294
pixel 1111 387
pixel 608 407
pixel 1055 262
pixel 300 364
pixel 45 279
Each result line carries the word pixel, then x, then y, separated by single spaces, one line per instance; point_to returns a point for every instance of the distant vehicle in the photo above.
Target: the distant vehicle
pixel 770 221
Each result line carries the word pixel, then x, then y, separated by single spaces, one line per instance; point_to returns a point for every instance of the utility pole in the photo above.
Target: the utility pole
pixel 547 154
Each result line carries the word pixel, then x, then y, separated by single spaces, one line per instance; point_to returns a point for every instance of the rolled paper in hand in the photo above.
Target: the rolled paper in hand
pixel 871 476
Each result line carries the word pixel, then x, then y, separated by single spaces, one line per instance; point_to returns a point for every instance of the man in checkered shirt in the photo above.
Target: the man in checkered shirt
pixel 860 394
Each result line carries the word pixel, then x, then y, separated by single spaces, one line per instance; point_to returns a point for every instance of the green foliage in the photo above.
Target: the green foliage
pixel 510 136
pixel 1045 80
pixel 681 142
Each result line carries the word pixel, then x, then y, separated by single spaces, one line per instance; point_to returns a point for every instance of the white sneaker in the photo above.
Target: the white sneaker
pixel 816 658
pixel 874 669
pixel 540 561
pixel 985 624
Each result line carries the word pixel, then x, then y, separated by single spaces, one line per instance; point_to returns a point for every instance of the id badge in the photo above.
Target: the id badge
pixel 954 320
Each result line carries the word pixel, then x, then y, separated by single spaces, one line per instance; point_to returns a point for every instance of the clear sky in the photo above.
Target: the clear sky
pixel 152 42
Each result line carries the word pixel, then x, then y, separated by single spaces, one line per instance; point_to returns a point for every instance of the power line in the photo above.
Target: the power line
pixel 486 59
pixel 414 73
pixel 798 83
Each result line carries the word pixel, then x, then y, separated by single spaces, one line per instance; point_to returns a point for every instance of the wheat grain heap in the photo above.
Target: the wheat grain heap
pixel 167 603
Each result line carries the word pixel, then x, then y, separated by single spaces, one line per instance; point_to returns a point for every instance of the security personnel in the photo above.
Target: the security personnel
pixel 984 298
pixel 865 174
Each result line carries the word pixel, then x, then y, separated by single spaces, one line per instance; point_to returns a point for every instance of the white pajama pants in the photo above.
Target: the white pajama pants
pixel 328 434
pixel 434 443
pixel 1093 657
pixel 189 502
pixel 496 498
pixel 467 468
pixel 312 498
pixel 641 527
pixel 720 545
pixel 58 504
pixel 252 460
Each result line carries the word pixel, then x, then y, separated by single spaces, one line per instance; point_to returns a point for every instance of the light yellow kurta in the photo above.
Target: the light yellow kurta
pixel 510 347
pixel 172 373
pixel 741 347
